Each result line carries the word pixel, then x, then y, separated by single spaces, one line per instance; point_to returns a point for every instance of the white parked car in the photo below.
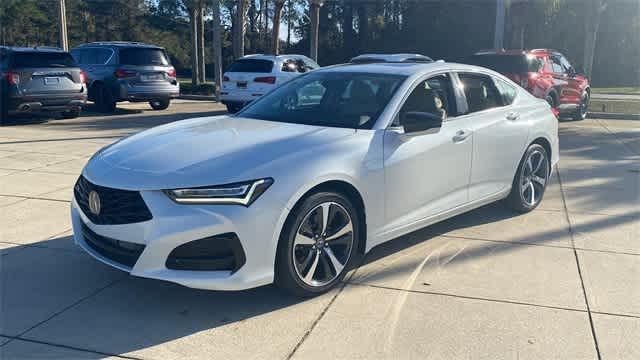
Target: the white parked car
pixel 252 76
pixel 326 166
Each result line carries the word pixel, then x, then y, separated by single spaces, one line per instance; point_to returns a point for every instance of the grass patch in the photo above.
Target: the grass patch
pixel 617 90
pixel 614 106
pixel 186 88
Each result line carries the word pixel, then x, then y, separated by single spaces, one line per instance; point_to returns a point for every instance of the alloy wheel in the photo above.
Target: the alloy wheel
pixel 584 106
pixel 323 244
pixel 533 179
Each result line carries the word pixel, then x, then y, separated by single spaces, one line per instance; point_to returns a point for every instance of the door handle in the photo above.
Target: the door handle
pixel 513 116
pixel 461 135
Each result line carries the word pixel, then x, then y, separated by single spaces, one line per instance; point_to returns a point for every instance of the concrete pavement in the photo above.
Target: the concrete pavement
pixel 562 282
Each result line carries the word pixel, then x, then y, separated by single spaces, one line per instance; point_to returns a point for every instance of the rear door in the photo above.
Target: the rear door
pixel 499 132
pixel 46 73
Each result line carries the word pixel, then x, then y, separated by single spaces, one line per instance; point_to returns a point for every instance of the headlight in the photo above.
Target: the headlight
pixel 243 193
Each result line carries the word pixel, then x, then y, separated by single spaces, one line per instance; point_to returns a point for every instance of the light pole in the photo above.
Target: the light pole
pixel 314 7
pixel 62 26
pixel 498 35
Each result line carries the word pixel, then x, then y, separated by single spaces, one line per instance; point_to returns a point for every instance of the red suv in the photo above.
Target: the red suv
pixel 546 74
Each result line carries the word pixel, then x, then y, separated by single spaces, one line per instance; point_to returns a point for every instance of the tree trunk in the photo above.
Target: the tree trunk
pixel 239 28
pixel 594 9
pixel 201 43
pixel 363 27
pixel 289 16
pixel 275 37
pixel 347 26
pixel 314 9
pixel 217 47
pixel 193 22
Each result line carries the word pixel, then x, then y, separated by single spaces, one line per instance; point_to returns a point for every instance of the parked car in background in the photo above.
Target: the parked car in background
pixel 127 71
pixel 40 79
pixel 252 76
pixel 547 74
pixel 292 188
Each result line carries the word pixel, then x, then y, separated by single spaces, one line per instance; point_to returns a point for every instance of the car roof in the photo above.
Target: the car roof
pixel 403 68
pixel 118 44
pixel 273 57
pixel 32 49
pixel 373 58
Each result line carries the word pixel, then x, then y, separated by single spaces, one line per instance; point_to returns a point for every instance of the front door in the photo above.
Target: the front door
pixel 427 173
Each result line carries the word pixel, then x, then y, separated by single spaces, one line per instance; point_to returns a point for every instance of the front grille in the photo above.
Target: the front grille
pixel 122 252
pixel 116 206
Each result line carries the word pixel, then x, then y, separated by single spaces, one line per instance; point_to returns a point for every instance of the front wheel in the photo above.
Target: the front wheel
pixel 317 244
pixel 160 104
pixel 70 114
pixel 530 181
pixel 581 112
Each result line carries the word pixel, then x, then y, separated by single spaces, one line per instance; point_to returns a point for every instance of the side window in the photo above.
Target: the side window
pixel 78 56
pixel 311 94
pixel 101 56
pixel 290 65
pixel 507 91
pixel 480 91
pixel 556 65
pixel 565 63
pixel 434 95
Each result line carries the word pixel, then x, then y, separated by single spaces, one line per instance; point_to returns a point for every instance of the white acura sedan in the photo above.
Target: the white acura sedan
pixel 326 166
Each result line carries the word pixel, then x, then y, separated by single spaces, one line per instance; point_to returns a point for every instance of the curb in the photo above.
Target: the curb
pixel 197 97
pixel 612 116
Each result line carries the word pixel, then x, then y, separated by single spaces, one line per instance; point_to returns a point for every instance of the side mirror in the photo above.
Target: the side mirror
pixel 414 121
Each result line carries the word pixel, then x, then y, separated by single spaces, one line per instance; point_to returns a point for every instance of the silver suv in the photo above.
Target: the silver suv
pixel 127 71
pixel 41 79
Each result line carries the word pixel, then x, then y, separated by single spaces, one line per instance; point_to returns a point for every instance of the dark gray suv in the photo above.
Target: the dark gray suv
pixel 127 71
pixel 41 79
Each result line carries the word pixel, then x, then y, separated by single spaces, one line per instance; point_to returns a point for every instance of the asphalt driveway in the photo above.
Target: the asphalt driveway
pixel 562 282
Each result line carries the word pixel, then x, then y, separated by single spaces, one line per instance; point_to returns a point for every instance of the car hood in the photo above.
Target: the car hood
pixel 204 151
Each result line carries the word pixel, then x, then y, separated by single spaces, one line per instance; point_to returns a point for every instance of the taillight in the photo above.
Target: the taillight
pixel 13 78
pixel 225 78
pixel 121 73
pixel 171 72
pixel 265 79
pixel 83 77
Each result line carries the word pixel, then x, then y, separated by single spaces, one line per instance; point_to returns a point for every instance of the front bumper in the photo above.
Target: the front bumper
pixel 172 225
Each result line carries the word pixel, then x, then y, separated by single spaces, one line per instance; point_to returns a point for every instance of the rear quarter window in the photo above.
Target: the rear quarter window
pixel 251 66
pixel 143 56
pixel 42 59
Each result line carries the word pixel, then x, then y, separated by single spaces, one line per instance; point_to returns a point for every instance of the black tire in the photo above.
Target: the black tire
pixel 104 99
pixel 524 187
pixel 581 112
pixel 71 114
pixel 233 108
pixel 160 104
pixel 344 248
pixel 551 100
pixel 4 111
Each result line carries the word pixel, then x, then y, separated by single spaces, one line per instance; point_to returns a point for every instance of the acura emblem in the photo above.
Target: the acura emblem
pixel 94 203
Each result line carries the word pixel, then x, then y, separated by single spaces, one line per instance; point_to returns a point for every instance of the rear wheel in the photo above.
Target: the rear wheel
pixel 71 114
pixel 159 104
pixel 530 181
pixel 4 111
pixel 104 99
pixel 583 108
pixel 317 244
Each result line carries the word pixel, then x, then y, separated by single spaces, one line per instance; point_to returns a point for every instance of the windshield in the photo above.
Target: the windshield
pixel 142 56
pixel 43 59
pixel 507 64
pixel 336 99
pixel 251 66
